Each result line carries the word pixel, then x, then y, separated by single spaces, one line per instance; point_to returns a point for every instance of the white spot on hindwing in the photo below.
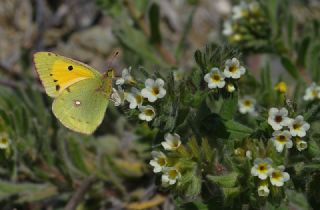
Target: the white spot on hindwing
pixel 77 103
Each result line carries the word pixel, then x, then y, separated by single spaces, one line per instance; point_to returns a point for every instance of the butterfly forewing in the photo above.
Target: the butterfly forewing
pixel 58 72
pixel 81 107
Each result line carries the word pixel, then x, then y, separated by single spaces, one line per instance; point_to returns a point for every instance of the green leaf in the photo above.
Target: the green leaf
pixel 154 22
pixel 27 192
pixel 290 67
pixel 194 147
pixel 207 150
pixel 230 192
pixel 200 59
pixel 228 180
pixel 76 155
pixel 196 205
pixel 187 28
pixel 273 6
pixel 313 148
pixel 229 108
pixel 313 60
pixel 113 8
pixel 135 41
pixel 194 186
pixel 190 182
pixel 311 113
pixel 297 200
pixel 237 130
pixel 302 51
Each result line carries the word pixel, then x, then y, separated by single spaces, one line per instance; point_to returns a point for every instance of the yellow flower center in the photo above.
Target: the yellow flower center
pixel 216 77
pixel 149 112
pixel 296 126
pixel 276 175
pixel 4 141
pixel 173 174
pixel 247 103
pixel 175 144
pixel 281 138
pixel 278 118
pixel 162 161
pixel 155 91
pixel 233 68
pixel 314 93
pixel 139 99
pixel 262 168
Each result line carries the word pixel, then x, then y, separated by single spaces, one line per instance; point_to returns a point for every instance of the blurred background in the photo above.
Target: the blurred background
pixel 49 167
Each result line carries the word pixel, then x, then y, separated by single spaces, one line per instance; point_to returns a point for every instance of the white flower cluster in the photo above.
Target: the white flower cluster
pixel 312 92
pixel 262 168
pixel 154 90
pixel 239 12
pixel 278 119
pixel 232 70
pixel 160 162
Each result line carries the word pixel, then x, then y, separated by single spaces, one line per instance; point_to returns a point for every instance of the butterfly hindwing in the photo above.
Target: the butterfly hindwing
pixel 81 107
pixel 58 72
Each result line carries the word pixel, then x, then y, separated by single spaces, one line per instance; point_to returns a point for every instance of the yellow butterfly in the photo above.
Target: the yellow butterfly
pixel 81 94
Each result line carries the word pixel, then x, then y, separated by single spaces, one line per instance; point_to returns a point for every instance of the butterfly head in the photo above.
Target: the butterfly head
pixel 109 73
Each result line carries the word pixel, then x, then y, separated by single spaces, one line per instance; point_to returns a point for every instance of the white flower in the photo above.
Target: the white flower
pixel 278 177
pixel 261 168
pixel 233 69
pixel 153 90
pixel 159 161
pixel 126 77
pixel 170 176
pixel 4 141
pixel 117 97
pixel 278 118
pixel 298 126
pixel 263 190
pixel 230 87
pixel 134 98
pixel 147 113
pixel 281 139
pixel 312 92
pixel 227 28
pixel 247 105
pixel 215 79
pixel 240 11
pixel 172 142
pixel 300 144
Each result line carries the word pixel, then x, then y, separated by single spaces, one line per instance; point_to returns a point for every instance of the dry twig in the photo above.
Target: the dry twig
pixel 80 193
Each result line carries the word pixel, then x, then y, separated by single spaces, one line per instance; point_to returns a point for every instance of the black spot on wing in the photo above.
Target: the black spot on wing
pixel 57 87
pixel 55 80
pixel 70 68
